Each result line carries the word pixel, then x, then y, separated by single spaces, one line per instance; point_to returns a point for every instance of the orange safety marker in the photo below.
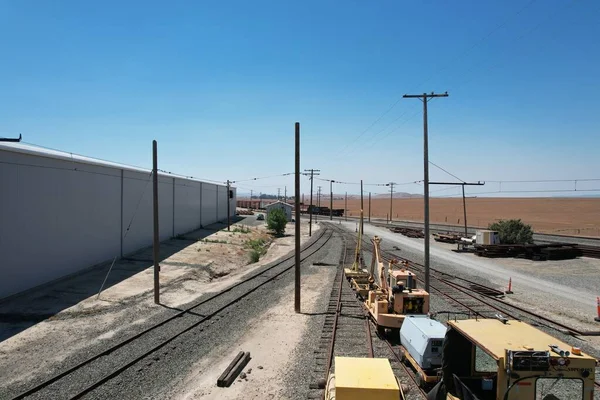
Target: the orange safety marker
pixel 597 319
pixel 509 291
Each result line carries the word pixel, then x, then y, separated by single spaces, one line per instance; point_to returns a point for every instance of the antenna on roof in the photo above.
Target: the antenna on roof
pixel 11 139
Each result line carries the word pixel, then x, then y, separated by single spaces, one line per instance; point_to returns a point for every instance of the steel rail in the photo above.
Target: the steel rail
pixel 369 339
pixel 111 349
pixel 564 328
pixel 406 369
pixel 338 311
pixel 167 341
pixel 463 289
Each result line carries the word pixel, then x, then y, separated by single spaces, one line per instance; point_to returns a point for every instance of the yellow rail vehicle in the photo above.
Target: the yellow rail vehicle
pixel 394 297
pixel 489 359
pixel 362 379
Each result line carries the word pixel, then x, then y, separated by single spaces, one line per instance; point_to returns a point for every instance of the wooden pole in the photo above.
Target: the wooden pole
pixel 156 241
pixel 297 226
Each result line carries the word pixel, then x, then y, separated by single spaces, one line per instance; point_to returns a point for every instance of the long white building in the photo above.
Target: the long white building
pixel 61 213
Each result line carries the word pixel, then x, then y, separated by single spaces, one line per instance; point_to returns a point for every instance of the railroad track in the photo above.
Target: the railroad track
pixel 472 299
pixel 345 329
pixel 480 300
pixel 583 241
pixel 348 331
pixel 475 299
pixel 88 375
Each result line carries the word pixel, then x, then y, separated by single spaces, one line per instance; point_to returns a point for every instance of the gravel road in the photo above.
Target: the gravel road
pixel 538 237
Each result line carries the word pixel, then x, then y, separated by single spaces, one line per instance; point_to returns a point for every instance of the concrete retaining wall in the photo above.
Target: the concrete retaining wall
pixel 59 215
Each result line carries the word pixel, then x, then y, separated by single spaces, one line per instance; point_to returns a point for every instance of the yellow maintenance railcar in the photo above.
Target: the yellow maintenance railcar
pixel 495 359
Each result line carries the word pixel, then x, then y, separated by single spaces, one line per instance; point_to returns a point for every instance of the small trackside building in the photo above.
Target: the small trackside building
pixel 280 205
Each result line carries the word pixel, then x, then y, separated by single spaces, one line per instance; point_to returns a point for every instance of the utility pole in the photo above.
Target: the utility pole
pixel 463 184
pixel 250 198
pixel 391 185
pixel 346 206
pixel 156 242
pixel 285 194
pixel 465 210
pixel 331 200
pixel 425 98
pixel 369 207
pixel 297 224
pixel 318 202
pixel 310 206
pixel 228 205
pixel 362 220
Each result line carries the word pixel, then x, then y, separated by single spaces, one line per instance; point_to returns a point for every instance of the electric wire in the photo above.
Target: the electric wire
pixel 137 207
pixel 449 173
pixel 263 177
pixel 476 44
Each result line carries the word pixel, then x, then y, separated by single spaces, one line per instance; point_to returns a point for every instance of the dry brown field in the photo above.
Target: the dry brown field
pixel 567 216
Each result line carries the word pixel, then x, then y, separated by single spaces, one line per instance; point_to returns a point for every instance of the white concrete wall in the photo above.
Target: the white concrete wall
pixel 187 205
pixel 58 217
pixel 209 204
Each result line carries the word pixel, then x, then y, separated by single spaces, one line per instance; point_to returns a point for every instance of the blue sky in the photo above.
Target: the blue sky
pixel 220 85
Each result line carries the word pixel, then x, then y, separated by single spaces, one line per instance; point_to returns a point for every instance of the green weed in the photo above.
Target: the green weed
pixel 214 241
pixel 257 249
pixel 254 256
pixel 241 229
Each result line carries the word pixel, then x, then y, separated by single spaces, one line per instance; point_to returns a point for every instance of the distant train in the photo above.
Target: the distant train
pixel 316 210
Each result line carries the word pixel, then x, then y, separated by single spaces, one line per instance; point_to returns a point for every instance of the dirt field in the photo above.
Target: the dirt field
pixel 569 216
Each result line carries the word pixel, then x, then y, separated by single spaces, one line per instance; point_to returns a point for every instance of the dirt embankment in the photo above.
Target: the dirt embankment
pixel 568 216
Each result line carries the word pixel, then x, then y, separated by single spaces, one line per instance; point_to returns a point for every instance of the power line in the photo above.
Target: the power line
pixel 444 189
pixel 548 180
pixel 374 142
pixel 531 191
pixel 452 175
pixel 262 177
pixel 189 176
pixel 470 71
pixel 482 40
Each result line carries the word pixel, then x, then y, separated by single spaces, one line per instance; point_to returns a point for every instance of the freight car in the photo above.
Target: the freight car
pixel 316 210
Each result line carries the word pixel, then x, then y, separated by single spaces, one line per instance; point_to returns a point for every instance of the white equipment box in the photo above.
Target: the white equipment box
pixel 423 338
pixel 487 237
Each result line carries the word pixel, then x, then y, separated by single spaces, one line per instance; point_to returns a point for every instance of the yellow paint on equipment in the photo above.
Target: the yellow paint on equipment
pixel 365 378
pixel 494 337
pixel 356 271
pixel 518 371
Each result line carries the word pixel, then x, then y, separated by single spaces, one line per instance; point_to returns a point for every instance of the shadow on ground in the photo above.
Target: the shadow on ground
pixel 24 310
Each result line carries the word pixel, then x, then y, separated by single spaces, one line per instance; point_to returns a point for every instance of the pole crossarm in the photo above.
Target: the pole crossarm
pixel 478 183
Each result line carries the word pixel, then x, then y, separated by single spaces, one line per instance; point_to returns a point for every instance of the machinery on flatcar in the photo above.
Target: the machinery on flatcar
pixel 421 341
pixel 501 359
pixel 393 297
